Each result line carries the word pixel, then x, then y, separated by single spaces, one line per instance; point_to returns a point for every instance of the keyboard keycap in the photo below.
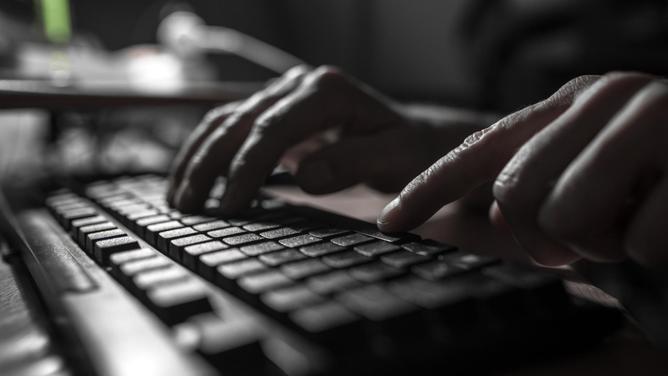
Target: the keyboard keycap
pixel 237 269
pixel 192 253
pixel 85 230
pixel 376 248
pixel 176 302
pixel 435 270
pixel 403 259
pixel 120 258
pixel 281 257
pixel 351 240
pixel 77 223
pixel 154 229
pixel 130 268
pixel 427 248
pixel 239 240
pixel 260 226
pixel 163 239
pixel 345 259
pixel 332 282
pixel 279 233
pixel 177 246
pixel 265 281
pixel 374 303
pixel 207 263
pixel 470 261
pixel 374 272
pixel 209 226
pixel 326 233
pixel 153 278
pixel 323 318
pixel 195 220
pixel 94 237
pixel 299 241
pixel 290 298
pixel 303 269
pixel 104 248
pixel 321 249
pixel 261 248
pixel 225 232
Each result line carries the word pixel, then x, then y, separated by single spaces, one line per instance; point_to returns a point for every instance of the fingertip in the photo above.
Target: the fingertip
pixel 389 218
pixel 552 255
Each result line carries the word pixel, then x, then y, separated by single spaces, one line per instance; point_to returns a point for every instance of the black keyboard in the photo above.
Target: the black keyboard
pixel 366 299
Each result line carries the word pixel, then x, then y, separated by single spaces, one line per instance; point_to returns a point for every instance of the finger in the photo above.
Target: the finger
pixel 212 120
pixel 476 161
pixel 324 100
pixel 597 193
pixel 527 179
pixel 646 240
pixel 215 153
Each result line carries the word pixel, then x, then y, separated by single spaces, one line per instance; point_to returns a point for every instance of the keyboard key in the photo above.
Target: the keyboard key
pixel 326 233
pixel 153 278
pixel 225 232
pixel 135 216
pixel 141 224
pixel 206 264
pixel 154 229
pixel 435 270
pixel 85 230
pixel 404 259
pixel 261 248
pixel 94 237
pixel 303 269
pixel 195 220
pixel 430 294
pixel 392 238
pixel 324 317
pixel 265 281
pixel 130 268
pixel 120 258
pixel 104 248
pixel 176 302
pixel 299 241
pixel 163 239
pixel 374 303
pixel 242 239
pixel 376 248
pixel 331 282
pixel 470 261
pixel 177 246
pixel 374 272
pixel 67 216
pixel 427 248
pixel 290 298
pixel 77 223
pixel 191 253
pixel 351 240
pixel 345 259
pixel 260 226
pixel 281 257
pixel 279 233
pixel 208 226
pixel 321 249
pixel 237 269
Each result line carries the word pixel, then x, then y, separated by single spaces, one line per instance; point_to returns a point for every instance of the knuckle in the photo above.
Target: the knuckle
pixel 327 76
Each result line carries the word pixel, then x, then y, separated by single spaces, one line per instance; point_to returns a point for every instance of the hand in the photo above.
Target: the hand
pixel 578 175
pixel 331 130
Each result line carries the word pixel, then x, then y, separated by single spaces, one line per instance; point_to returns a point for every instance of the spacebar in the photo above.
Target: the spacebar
pixel 53 256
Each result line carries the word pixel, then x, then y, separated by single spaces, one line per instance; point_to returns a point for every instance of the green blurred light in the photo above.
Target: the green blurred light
pixel 56 20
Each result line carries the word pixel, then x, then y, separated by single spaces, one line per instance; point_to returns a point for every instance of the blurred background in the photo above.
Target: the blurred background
pixel 492 55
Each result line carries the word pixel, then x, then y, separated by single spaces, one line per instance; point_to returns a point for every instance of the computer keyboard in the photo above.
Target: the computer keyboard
pixel 376 300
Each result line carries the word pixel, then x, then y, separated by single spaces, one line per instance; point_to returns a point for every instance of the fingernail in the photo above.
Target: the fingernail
pixel 316 175
pixel 385 218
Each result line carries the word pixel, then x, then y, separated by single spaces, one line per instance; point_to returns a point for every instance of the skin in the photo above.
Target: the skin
pixel 331 131
pixel 576 176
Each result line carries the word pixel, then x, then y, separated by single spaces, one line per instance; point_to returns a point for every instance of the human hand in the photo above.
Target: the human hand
pixel 332 130
pixel 578 175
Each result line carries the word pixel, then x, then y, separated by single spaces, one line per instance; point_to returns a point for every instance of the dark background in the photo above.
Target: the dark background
pixel 489 54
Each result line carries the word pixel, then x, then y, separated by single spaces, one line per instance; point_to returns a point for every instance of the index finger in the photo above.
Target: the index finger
pixel 476 161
